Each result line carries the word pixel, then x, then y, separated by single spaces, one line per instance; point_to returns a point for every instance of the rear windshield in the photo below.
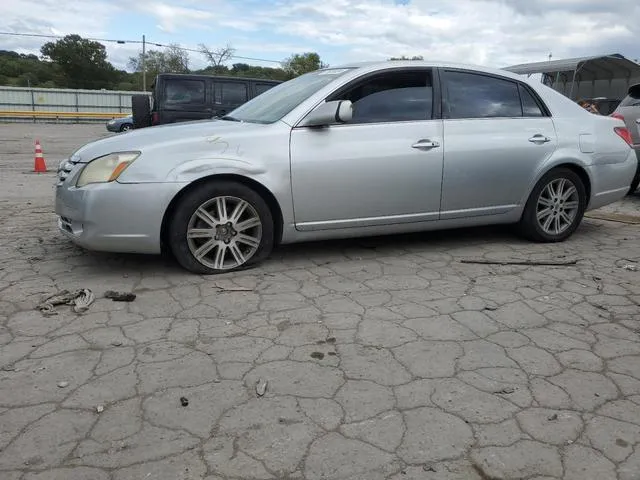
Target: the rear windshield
pixel 633 99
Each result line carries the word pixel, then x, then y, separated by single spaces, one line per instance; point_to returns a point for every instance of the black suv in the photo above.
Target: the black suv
pixel 182 98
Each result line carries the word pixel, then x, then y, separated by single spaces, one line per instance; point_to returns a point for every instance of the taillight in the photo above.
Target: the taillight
pixel 624 133
pixel 618 116
pixel 154 118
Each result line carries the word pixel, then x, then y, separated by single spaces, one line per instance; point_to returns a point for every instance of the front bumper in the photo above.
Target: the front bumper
pixel 113 217
pixel 113 128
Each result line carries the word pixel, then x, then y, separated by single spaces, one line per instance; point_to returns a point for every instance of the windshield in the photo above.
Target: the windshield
pixel 275 103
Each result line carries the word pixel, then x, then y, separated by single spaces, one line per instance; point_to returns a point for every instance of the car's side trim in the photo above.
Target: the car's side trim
pixel 370 221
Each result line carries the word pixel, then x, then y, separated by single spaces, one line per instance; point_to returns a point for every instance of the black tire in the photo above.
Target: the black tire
pixel 199 196
pixel 126 127
pixel 636 180
pixel 141 109
pixel 529 225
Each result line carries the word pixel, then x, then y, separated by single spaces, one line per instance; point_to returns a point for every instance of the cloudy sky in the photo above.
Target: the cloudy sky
pixel 491 32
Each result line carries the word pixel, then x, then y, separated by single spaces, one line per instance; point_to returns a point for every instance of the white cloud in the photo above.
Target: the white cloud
pixel 494 32
pixel 171 18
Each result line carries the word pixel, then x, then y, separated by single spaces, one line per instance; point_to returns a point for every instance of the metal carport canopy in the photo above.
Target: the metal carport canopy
pixel 601 67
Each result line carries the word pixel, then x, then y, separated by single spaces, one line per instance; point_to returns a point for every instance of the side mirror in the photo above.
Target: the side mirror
pixel 329 113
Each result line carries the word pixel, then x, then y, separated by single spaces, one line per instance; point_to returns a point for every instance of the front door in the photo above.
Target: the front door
pixel 383 167
pixel 498 137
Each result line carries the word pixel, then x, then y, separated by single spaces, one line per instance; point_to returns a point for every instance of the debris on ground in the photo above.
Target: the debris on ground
pixel 631 267
pixel 553 418
pixel 184 401
pixel 428 468
pixel 79 299
pixel 233 288
pixel 100 408
pixel 116 343
pixel 506 391
pixel 550 263
pixel 63 384
pixel 120 296
pixel 261 387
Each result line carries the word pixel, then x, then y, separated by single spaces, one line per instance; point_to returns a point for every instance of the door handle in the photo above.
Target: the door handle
pixel 426 144
pixel 539 139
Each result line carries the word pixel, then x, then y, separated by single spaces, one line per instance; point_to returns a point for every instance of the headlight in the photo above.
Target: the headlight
pixel 111 122
pixel 107 168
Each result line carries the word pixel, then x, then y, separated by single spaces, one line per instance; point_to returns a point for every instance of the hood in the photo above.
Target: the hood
pixel 156 136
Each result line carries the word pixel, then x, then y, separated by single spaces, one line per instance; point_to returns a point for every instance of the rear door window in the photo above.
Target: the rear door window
pixel 471 95
pixel 530 107
pixel 230 93
pixel 184 92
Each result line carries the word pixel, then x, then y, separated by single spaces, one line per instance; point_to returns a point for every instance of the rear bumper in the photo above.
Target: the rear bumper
pixel 114 217
pixel 611 181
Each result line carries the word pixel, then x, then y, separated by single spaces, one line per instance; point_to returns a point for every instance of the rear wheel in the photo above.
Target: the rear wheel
pixel 220 227
pixel 636 180
pixel 555 207
pixel 141 109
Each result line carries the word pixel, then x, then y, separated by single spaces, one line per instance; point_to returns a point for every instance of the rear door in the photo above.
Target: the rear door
pixel 185 99
pixel 228 95
pixel 497 135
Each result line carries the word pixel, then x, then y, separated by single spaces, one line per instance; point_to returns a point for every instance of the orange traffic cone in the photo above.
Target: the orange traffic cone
pixel 39 165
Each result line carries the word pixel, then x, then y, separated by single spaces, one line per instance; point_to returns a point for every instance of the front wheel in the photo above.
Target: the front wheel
pixel 219 227
pixel 555 207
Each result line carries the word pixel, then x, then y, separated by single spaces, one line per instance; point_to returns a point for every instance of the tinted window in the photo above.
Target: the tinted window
pixel 530 107
pixel 392 97
pixel 262 87
pixel 184 92
pixel 633 99
pixel 230 93
pixel 478 96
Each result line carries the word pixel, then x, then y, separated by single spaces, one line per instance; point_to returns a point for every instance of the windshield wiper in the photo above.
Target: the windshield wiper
pixel 229 118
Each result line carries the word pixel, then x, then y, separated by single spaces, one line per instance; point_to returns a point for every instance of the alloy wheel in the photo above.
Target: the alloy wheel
pixel 557 206
pixel 224 232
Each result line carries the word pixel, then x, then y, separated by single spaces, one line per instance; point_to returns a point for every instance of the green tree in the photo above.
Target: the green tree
pixel 300 63
pixel 172 60
pixel 83 62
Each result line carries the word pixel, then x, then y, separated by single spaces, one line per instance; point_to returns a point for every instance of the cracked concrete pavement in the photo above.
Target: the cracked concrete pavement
pixel 384 358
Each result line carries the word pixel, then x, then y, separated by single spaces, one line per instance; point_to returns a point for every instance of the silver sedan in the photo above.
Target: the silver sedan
pixel 364 149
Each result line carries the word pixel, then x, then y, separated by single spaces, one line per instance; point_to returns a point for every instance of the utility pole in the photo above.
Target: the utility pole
pixel 144 68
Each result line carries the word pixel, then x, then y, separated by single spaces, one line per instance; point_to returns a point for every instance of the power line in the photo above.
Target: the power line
pixel 120 41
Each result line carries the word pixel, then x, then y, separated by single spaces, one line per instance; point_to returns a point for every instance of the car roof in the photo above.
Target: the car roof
pixel 427 63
